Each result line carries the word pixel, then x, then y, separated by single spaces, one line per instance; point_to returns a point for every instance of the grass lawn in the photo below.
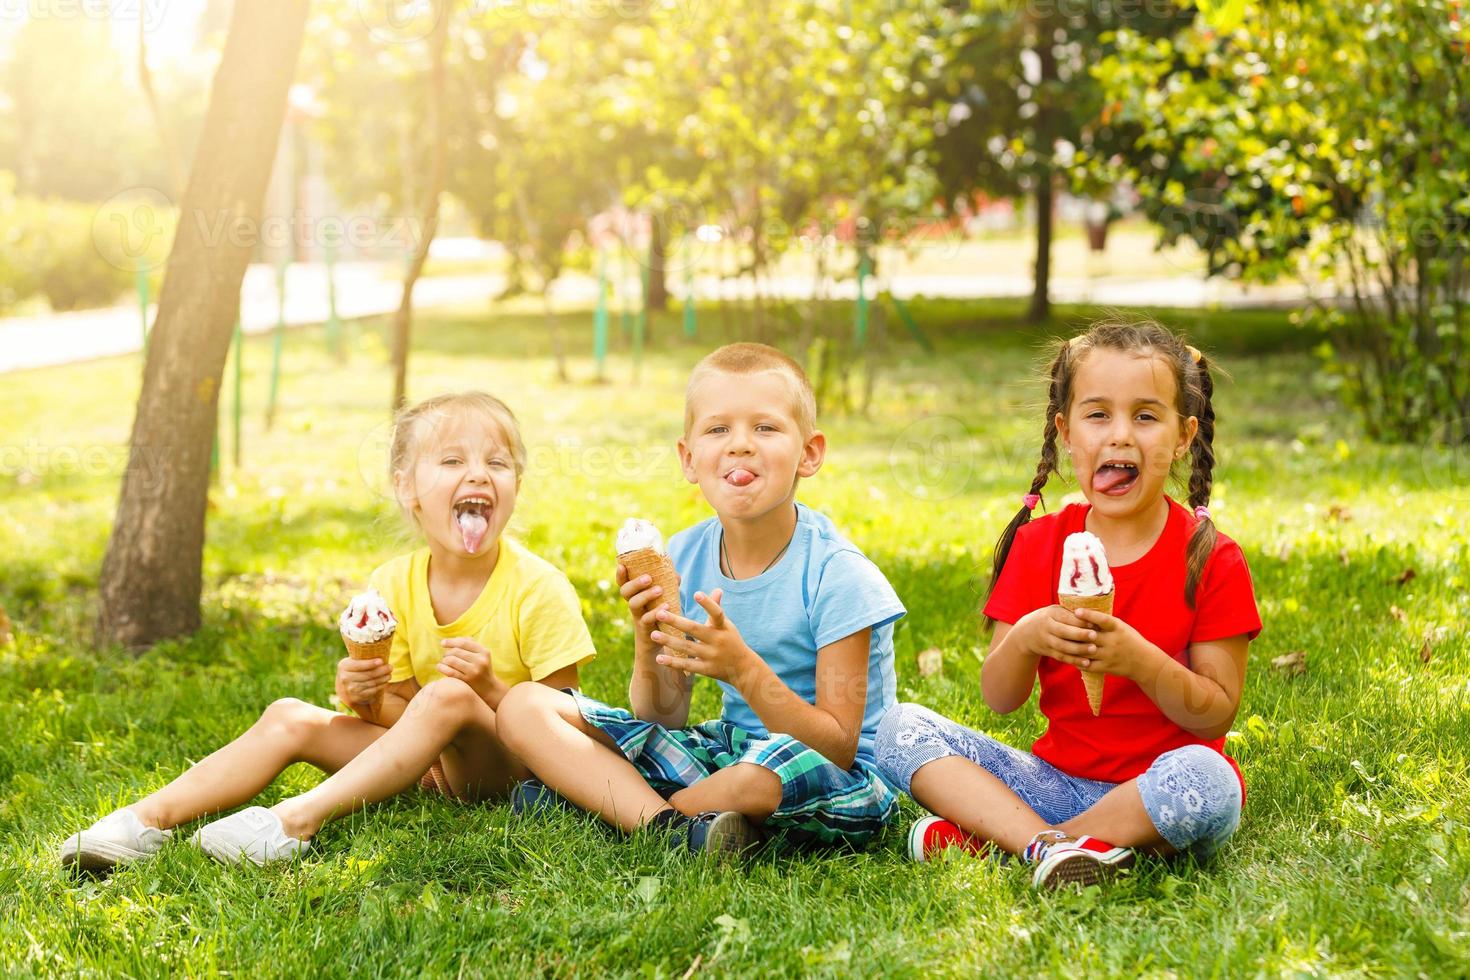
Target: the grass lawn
pixel 1353 856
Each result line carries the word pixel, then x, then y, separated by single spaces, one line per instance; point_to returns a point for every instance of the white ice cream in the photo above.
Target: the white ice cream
pixel 367 618
pixel 1084 566
pixel 637 535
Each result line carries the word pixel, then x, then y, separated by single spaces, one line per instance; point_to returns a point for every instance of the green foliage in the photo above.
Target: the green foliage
pixel 73 120
pixel 801 114
pixel 777 120
pixel 1333 142
pixel 1021 103
pixel 1358 768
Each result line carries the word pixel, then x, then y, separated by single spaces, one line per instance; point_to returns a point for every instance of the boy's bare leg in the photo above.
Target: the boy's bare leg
pixel 289 731
pixel 545 729
pixel 752 791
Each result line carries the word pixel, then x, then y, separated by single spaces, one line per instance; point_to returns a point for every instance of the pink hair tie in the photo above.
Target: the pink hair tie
pixel 1202 513
pixel 1031 500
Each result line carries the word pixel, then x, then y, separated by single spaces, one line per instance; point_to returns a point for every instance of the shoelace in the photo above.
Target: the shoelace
pixel 1038 848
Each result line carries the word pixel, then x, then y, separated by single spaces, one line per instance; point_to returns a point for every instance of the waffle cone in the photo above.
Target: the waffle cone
pixel 377 650
pixel 1091 680
pixel 646 561
pixel 434 781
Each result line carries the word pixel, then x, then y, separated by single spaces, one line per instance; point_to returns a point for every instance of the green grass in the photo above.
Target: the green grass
pixel 1353 856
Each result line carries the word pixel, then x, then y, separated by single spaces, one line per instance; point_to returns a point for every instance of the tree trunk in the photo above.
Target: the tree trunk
pixel 429 209
pixel 658 286
pixel 1041 289
pixel 1046 128
pixel 151 577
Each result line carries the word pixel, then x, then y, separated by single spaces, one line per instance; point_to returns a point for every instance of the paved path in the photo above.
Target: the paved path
pixel 365 289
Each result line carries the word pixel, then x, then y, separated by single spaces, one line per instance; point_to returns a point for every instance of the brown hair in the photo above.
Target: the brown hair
pixel 412 424
pixel 1195 391
pixel 756 359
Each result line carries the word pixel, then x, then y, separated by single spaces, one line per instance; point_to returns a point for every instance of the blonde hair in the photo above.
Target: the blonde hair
pixel 413 424
pixel 756 359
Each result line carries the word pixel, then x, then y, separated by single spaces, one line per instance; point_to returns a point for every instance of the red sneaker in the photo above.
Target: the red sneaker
pixel 929 836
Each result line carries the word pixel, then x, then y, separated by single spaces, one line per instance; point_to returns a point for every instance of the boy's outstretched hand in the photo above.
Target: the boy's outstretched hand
pixel 714 649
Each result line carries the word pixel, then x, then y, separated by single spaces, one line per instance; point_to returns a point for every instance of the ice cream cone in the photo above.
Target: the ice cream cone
pixel 647 561
pixel 1091 680
pixel 377 650
pixel 434 781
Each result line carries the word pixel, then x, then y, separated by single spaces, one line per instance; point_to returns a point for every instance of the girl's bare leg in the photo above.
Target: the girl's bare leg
pixel 289 731
pixel 1119 818
pixel 447 720
pixel 962 792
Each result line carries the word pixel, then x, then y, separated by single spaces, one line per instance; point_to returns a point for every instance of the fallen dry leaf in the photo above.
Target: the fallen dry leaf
pixel 1293 663
pixel 1426 652
pixel 1398 614
pixel 1337 512
pixel 931 662
pixel 1406 576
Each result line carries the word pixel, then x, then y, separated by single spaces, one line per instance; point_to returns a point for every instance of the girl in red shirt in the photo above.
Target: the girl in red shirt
pixel 1128 403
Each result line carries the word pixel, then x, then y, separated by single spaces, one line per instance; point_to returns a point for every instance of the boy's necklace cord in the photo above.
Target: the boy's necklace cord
pixel 729 569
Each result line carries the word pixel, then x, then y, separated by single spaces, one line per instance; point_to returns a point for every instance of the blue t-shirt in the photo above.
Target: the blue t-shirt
pixel 821 590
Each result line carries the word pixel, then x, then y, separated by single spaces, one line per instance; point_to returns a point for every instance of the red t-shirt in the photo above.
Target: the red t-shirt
pixel 1131 732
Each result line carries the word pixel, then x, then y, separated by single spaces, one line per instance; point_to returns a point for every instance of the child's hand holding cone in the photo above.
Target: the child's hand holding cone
pixel 641 553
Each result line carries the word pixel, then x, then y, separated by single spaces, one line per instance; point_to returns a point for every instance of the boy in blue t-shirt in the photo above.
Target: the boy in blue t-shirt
pixel 791 619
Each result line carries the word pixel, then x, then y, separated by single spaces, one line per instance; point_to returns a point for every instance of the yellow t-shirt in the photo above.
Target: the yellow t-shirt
pixel 527 616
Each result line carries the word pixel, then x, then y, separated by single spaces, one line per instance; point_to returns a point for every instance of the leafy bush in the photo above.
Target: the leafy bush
pixel 47 248
pixel 1330 141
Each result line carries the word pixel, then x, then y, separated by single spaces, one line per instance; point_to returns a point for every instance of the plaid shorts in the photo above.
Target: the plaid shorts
pixel 821 805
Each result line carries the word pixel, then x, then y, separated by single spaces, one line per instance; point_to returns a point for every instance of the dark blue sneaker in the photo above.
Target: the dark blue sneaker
pixel 723 833
pixel 533 797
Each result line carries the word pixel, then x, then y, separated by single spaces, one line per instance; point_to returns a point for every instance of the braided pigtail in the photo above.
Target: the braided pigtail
pixel 1056 398
pixel 1201 476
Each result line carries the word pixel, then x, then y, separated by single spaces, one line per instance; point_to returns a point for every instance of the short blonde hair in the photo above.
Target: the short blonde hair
pixel 412 425
pixel 756 359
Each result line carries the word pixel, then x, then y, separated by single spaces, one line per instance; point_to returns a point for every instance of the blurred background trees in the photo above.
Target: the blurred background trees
pixel 774 154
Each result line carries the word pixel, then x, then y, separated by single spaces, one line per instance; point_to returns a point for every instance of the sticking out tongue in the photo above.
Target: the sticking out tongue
pixel 741 478
pixel 472 528
pixel 1110 478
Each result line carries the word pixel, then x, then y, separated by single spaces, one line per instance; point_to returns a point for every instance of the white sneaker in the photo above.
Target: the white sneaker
pixel 116 839
pixel 254 834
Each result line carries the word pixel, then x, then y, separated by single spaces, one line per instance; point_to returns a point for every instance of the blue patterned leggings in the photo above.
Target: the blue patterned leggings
pixel 1191 794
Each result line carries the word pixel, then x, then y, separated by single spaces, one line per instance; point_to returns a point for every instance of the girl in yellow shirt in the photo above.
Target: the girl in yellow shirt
pixel 477 614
